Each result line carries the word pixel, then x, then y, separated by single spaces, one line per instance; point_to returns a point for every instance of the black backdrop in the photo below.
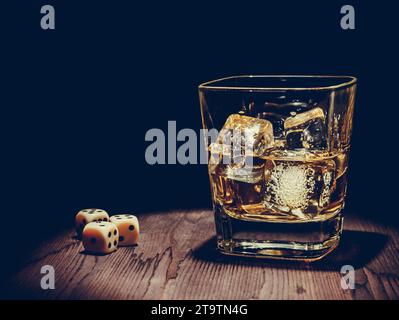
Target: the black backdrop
pixel 76 102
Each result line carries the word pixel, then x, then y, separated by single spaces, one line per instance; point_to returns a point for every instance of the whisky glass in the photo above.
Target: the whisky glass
pixel 278 191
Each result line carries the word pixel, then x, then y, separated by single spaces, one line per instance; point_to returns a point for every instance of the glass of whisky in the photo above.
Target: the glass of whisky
pixel 277 161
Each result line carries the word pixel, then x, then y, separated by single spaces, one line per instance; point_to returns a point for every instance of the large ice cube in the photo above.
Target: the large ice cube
pixel 298 188
pixel 251 136
pixel 306 130
pixel 248 138
pixel 237 148
pixel 289 185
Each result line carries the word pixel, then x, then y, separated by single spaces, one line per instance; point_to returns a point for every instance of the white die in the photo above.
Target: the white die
pixel 128 227
pixel 100 237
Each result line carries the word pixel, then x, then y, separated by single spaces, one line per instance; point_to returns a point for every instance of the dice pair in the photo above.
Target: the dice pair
pixel 103 234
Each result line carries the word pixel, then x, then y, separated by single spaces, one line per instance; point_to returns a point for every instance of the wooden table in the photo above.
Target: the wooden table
pixel 176 259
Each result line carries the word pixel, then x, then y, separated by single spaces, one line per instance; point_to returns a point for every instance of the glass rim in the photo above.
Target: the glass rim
pixel 211 85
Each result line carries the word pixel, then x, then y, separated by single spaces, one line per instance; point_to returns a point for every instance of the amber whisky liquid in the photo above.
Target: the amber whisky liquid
pixel 285 204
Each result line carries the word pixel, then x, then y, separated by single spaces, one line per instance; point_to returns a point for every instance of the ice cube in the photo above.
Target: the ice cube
pixel 315 135
pixel 289 184
pixel 294 139
pixel 238 147
pixel 306 130
pixel 300 188
pixel 298 212
pixel 304 117
pixel 250 172
pixel 221 156
pixel 245 169
pixel 276 120
pixel 247 134
pixel 326 189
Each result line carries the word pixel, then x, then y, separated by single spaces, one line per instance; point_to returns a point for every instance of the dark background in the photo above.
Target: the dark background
pixel 76 102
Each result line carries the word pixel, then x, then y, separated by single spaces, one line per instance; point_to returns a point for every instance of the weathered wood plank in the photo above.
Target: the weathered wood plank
pixel 176 259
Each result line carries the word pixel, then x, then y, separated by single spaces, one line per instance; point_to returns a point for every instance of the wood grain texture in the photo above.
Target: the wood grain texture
pixel 176 259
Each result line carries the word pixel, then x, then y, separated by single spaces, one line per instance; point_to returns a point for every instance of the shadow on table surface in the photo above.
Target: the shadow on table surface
pixel 357 248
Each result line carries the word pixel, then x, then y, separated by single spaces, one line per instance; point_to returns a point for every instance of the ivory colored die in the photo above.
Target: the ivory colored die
pixel 100 237
pixel 128 227
pixel 86 216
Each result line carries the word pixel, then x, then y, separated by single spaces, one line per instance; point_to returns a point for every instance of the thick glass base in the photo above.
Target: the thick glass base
pixel 304 241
